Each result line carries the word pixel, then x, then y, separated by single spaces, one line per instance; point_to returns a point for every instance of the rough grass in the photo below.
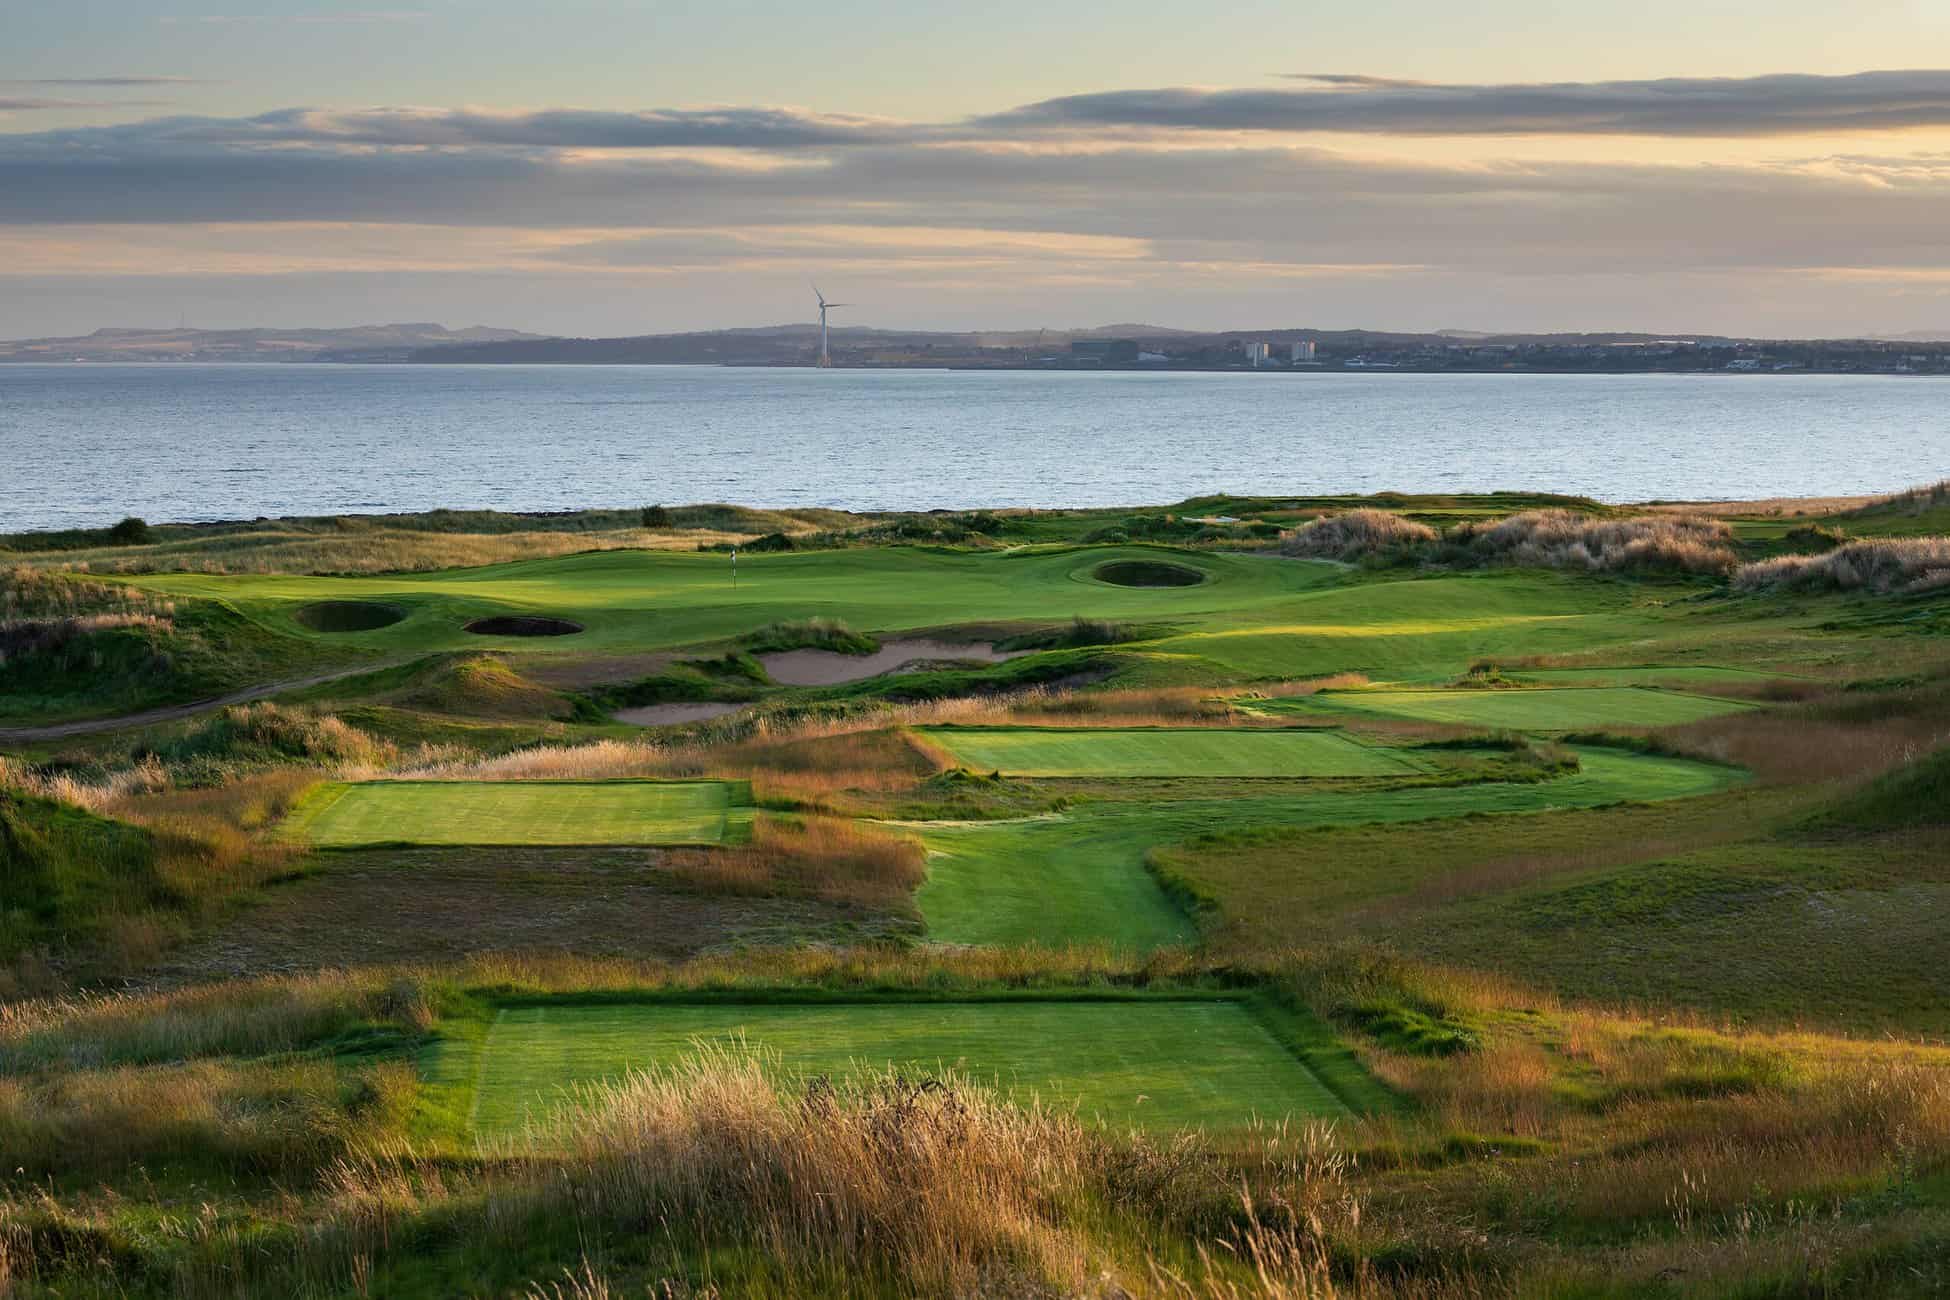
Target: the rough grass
pixel 810 634
pixel 1564 539
pixel 1884 566
pixel 1566 1149
pixel 1357 534
pixel 834 859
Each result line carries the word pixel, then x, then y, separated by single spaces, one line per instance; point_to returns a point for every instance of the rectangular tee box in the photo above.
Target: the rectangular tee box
pixel 1166 752
pixel 349 814
pixel 1156 1063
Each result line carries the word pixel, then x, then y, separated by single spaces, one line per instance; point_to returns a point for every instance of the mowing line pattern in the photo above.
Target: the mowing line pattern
pixel 1542 708
pixel 342 815
pixel 1154 1063
pixel 1166 752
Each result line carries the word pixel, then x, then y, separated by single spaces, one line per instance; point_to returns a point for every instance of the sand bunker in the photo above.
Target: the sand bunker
pixel 669 715
pixel 523 625
pixel 827 668
pixel 1147 573
pixel 347 615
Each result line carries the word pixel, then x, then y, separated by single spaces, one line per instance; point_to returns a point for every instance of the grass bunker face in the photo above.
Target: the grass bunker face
pixel 523 625
pixel 347 615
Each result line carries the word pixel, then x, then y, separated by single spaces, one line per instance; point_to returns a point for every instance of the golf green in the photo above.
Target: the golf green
pixel 345 814
pixel 1165 751
pixel 1158 1064
pixel 1567 708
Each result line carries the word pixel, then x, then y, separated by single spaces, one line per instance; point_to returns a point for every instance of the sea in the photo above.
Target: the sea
pixel 82 445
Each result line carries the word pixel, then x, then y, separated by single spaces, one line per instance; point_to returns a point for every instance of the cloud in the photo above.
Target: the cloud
pixel 315 19
pixel 105 81
pixel 1351 103
pixel 1265 207
pixel 38 104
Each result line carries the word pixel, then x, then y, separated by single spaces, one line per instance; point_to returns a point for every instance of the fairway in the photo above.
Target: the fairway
pixel 1158 1064
pixel 345 814
pixel 1524 709
pixel 1165 751
pixel 1079 876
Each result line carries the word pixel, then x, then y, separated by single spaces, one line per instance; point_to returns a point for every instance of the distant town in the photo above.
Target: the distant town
pixel 1112 347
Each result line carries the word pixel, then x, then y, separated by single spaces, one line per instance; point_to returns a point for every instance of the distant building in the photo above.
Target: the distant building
pixel 1257 353
pixel 1301 351
pixel 1115 352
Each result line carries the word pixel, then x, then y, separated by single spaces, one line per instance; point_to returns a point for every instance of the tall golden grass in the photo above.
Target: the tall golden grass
pixel 831 858
pixel 1884 565
pixel 1568 1126
pixel 1356 533
pixel 377 551
pixel 1565 539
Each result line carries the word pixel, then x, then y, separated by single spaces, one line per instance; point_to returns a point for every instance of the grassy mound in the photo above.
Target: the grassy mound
pixel 62 870
pixel 1915 795
pixel 1355 535
pixel 248 737
pixel 482 686
pixel 75 646
pixel 1904 565
pixel 810 634
pixel 347 615
pixel 1147 573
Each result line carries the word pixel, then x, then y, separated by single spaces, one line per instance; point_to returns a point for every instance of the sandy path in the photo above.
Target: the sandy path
pixel 175 712
pixel 827 668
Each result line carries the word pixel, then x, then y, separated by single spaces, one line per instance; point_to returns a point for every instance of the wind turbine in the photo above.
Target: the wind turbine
pixel 824 307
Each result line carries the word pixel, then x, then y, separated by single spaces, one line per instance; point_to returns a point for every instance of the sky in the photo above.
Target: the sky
pixel 603 167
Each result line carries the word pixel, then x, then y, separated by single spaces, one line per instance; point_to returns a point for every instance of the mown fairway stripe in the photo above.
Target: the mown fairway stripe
pixel 1529 709
pixel 515 812
pixel 1185 752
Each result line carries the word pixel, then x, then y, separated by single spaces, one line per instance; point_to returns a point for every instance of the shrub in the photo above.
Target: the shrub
pixel 248 736
pixel 772 542
pixel 1564 539
pixel 1356 535
pixel 1905 565
pixel 811 634
pixel 130 532
pixel 655 517
pixel 1080 632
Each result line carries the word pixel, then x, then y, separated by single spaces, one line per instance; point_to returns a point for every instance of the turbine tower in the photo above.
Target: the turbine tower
pixel 824 307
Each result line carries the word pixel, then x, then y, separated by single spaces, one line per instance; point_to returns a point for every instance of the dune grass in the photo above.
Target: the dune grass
pixel 1166 1065
pixel 1149 751
pixel 1569 708
pixel 347 814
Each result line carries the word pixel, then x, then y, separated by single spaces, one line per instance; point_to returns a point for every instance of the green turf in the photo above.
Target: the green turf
pixel 1079 876
pixel 1158 1064
pixel 345 814
pixel 1165 751
pixel 1253 617
pixel 1568 708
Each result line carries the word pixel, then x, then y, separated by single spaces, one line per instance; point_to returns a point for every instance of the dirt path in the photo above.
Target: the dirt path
pixel 176 712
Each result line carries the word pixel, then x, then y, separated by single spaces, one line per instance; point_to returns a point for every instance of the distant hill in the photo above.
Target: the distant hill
pixel 358 342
